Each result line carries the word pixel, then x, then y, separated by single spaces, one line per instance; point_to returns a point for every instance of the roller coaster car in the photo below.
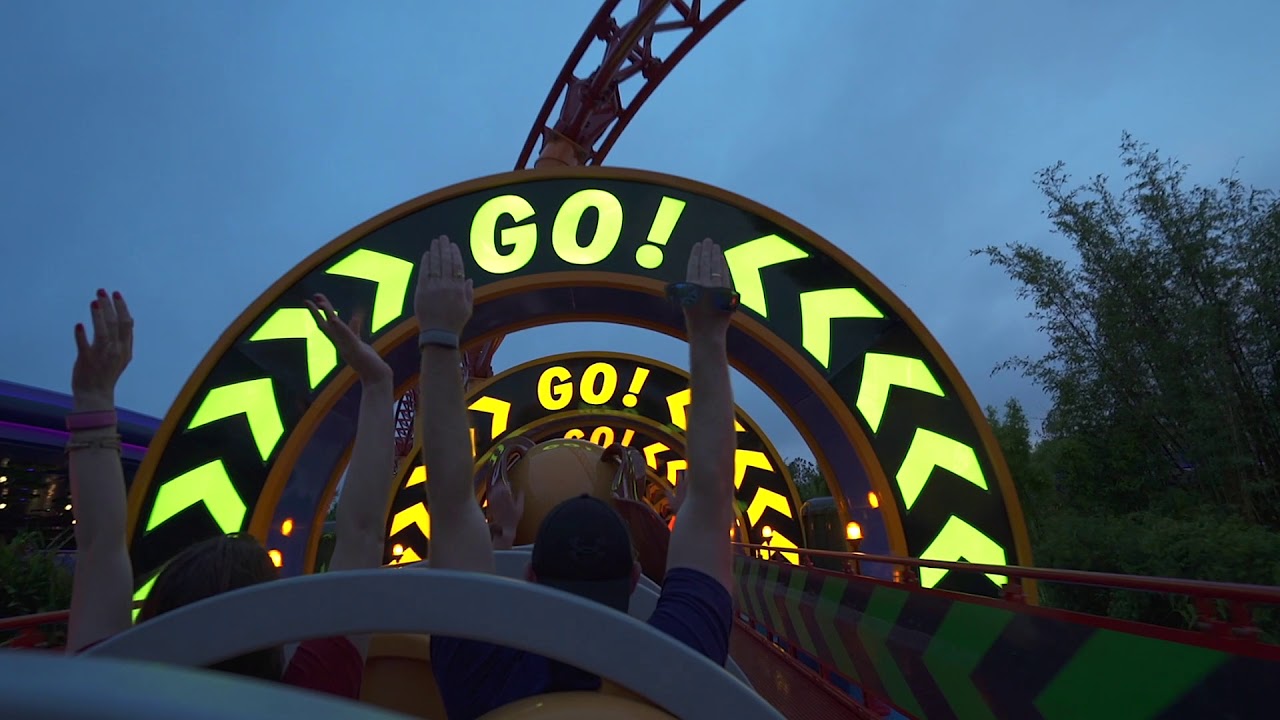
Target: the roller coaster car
pixel 648 674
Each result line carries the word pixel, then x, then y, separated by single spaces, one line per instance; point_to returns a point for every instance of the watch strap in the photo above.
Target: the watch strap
pixel 438 338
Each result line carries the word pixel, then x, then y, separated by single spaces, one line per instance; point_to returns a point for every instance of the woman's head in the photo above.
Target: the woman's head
pixel 212 567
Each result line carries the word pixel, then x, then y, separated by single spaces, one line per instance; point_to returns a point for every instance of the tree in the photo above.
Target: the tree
pixel 1165 335
pixel 809 481
pixel 1161 453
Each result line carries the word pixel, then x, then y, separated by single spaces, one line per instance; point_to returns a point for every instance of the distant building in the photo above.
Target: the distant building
pixel 34 494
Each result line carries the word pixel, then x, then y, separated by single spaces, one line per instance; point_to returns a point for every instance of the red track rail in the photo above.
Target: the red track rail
pixel 1205 593
pixel 593 113
pixel 1206 596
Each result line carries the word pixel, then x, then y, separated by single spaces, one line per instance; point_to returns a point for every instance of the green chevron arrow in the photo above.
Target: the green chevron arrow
pixel 208 484
pixel 794 598
pixel 256 399
pixel 880 372
pixel 392 276
pixel 873 630
pixel 300 324
pixel 818 308
pixel 748 259
pixel 958 645
pixel 1104 676
pixel 825 611
pixel 960 541
pixel 929 450
pixel 142 594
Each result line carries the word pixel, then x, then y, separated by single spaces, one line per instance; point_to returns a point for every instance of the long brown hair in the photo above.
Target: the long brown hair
pixel 212 567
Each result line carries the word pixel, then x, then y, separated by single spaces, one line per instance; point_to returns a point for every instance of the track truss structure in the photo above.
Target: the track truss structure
pixel 592 111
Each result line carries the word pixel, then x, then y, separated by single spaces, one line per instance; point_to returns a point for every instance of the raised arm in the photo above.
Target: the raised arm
pixel 362 508
pixel 700 539
pixel 459 535
pixel 102 590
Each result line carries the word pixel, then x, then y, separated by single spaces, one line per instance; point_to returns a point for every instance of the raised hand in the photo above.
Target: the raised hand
pixel 100 362
pixel 505 512
pixel 708 269
pixel 444 296
pixel 346 338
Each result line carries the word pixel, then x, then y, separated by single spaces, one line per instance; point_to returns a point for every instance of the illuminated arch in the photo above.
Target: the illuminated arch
pixel 606 397
pixel 879 403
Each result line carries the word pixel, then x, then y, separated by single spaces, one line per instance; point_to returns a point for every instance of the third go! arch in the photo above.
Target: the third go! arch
pixel 604 398
pixel 879 404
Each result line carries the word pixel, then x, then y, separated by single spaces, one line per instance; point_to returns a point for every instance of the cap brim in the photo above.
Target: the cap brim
pixel 614 593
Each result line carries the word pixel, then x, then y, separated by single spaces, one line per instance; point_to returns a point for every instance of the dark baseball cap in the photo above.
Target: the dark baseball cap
pixel 583 547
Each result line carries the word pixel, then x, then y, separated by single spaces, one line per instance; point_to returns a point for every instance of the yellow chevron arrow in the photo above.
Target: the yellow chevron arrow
pixel 651 453
pixel 929 450
pixel 678 406
pixel 256 399
pixel 961 542
pixel 413 515
pixel 880 372
pixel 778 540
pixel 674 467
pixel 392 276
pixel 819 308
pixel 300 324
pixel 748 259
pixel 417 476
pixel 406 557
pixel 766 498
pixel 743 459
pixel 208 484
pixel 501 412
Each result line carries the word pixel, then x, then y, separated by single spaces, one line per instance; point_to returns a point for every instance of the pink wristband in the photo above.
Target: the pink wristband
pixel 95 420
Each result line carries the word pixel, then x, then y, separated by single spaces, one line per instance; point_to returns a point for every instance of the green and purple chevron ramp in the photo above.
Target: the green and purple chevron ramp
pixel 935 655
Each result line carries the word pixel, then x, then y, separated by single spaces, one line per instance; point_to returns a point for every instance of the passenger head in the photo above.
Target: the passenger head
pixel 583 547
pixel 212 567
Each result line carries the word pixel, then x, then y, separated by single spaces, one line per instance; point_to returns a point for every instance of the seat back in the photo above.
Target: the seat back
pixel 398 676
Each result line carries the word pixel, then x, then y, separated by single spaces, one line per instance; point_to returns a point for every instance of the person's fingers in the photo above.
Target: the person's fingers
pixel 721 266
pixel 123 316
pixel 124 325
pixel 695 263
pixel 99 322
pixel 109 319
pixel 434 263
pixel 82 339
pixel 457 269
pixel 357 325
pixel 316 313
pixel 327 307
pixel 470 292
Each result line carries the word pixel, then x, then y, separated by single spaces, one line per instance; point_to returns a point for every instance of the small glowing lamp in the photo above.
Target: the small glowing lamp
pixel 277 558
pixel 286 527
pixel 873 500
pixel 853 531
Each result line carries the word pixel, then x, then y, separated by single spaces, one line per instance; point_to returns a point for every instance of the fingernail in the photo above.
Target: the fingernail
pixel 116 294
pixel 102 292
pixel 94 304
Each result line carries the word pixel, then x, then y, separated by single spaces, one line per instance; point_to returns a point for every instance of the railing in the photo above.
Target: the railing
pixel 1239 597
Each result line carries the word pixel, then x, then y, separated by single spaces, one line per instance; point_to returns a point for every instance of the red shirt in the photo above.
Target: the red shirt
pixel 328 665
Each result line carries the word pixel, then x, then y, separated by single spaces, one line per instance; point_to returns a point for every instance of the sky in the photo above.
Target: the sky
pixel 189 154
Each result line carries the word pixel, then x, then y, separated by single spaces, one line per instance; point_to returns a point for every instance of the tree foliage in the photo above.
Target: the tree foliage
pixel 809 481
pixel 1161 453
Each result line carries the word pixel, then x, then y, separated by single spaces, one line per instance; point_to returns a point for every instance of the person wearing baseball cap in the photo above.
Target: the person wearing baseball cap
pixel 582 546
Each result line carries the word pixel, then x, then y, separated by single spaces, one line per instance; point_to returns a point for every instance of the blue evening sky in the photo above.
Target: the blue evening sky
pixel 191 153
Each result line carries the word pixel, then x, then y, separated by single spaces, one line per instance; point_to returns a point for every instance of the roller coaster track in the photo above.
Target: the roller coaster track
pixel 593 112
